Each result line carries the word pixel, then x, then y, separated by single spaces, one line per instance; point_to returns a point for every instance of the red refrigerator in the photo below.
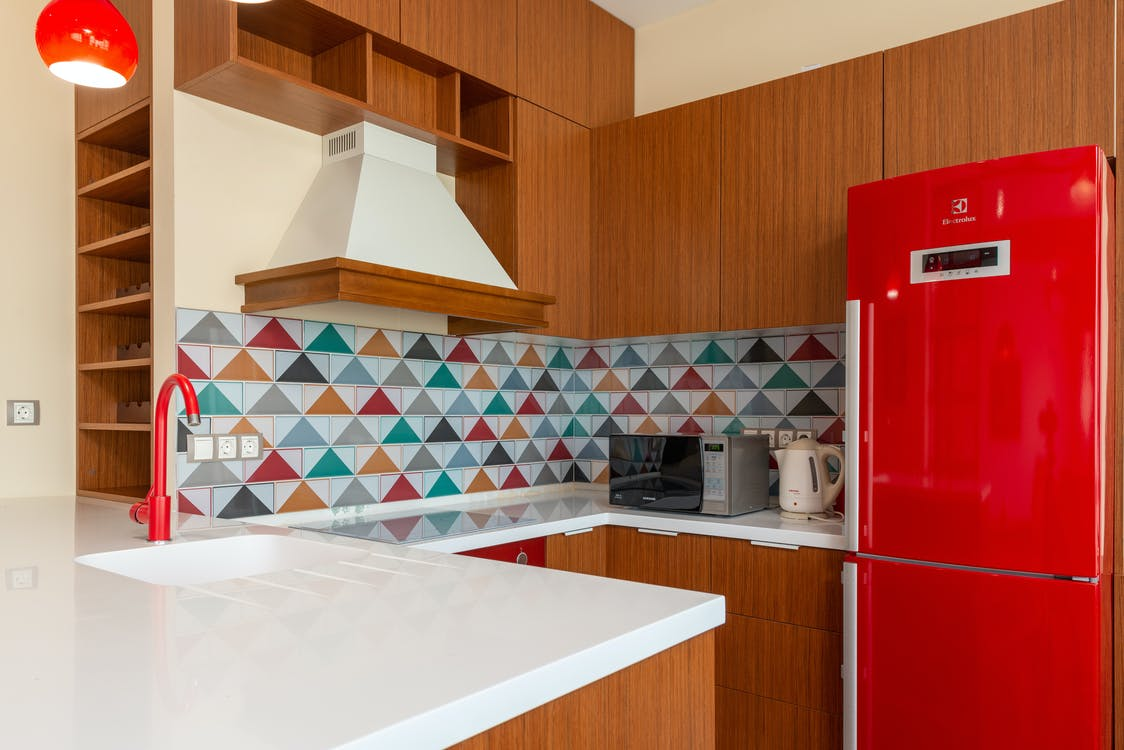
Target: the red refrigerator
pixel 978 507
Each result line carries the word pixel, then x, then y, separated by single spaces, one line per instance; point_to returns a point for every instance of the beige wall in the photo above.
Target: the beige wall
pixel 730 44
pixel 37 302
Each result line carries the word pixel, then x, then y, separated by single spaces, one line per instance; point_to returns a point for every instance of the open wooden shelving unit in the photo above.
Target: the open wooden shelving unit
pixel 113 167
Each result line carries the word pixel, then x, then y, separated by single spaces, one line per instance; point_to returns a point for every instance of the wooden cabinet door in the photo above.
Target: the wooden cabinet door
pixel 380 16
pixel 1030 82
pixel 476 36
pixel 578 551
pixel 790 150
pixel 552 215
pixel 92 105
pixel 552 53
pixel 656 222
pixel 612 68
pixel 658 557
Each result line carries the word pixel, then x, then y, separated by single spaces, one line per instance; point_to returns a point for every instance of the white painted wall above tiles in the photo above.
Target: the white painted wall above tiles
pixel 726 45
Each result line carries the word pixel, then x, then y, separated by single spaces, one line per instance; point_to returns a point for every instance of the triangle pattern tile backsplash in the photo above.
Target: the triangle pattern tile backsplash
pixel 356 416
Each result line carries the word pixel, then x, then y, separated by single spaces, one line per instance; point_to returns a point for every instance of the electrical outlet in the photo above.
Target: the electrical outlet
pixel 249 446
pixel 22 578
pixel 200 448
pixel 226 447
pixel 808 434
pixel 772 435
pixel 784 437
pixel 23 413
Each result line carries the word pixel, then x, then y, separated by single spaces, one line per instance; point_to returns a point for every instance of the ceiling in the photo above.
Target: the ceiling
pixel 637 13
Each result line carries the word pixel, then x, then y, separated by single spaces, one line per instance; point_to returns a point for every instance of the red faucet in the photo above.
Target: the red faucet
pixel 156 509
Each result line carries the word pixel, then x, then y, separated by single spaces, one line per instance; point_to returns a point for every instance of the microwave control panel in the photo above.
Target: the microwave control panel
pixel 715 456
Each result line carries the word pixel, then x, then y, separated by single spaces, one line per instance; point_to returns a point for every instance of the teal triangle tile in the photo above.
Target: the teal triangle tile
pixel 442 377
pixel 422 348
pixel 401 375
pixel 650 381
pixel 735 379
pixel 353 371
pixel 735 427
pixel 500 354
pixel 574 428
pixel 443 433
pixel 498 406
pixel 545 382
pixel 355 492
pixel 328 464
pixel 630 357
pixel 760 406
pixel 300 433
pixel 302 368
pixel 272 399
pixel 445 521
pixel 784 424
pixel 220 399
pixel 713 353
pixel 561 406
pixel 559 360
pixel 591 405
pixel 545 430
pixel 811 405
pixel 836 377
pixel 785 378
pixel 669 405
pixel 546 477
pixel 214 329
pixel 609 427
pixel 355 433
pixel 331 338
pixel 670 355
pixel 422 405
pixel 591 451
pixel 210 474
pixel 761 351
pixel 423 460
pixel 530 455
pixel 462 459
pixel 498 456
pixel 577 383
pixel 401 432
pixel 513 381
pixel 462 406
pixel 243 503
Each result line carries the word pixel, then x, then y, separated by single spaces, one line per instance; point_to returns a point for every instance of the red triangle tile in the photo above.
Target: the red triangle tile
pixel 187 366
pixel 691 381
pixel 691 427
pixel 274 469
pixel 480 431
pixel 812 348
pixel 378 403
pixel 462 352
pixel 833 434
pixel 514 480
pixel 592 361
pixel 186 506
pixel 560 453
pixel 273 336
pixel 401 490
pixel 629 405
pixel 530 405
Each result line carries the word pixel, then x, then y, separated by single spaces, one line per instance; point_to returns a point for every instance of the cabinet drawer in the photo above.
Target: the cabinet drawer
pixel 578 551
pixel 799 586
pixel 746 721
pixel 662 558
pixel 526 552
pixel 785 662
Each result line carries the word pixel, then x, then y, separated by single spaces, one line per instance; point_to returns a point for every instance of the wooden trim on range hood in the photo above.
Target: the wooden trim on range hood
pixel 471 307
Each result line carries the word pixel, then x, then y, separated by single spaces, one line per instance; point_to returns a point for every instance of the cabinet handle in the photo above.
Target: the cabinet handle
pixel 658 532
pixel 775 545
pixel 575 532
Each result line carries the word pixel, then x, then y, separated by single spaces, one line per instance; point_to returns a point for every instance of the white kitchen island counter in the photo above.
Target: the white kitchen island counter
pixel 411 649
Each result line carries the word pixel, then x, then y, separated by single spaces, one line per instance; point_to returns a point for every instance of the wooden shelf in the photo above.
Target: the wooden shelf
pixel 135 245
pixel 119 494
pixel 114 427
pixel 117 364
pixel 125 131
pixel 131 186
pixel 133 306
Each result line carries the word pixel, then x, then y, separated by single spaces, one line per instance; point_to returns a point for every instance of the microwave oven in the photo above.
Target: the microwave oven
pixel 720 475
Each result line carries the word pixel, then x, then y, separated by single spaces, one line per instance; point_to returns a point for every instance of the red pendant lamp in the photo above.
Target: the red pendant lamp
pixel 87 42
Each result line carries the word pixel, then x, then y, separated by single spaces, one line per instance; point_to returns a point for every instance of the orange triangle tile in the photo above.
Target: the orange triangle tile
pixel 610 383
pixel 481 483
pixel 378 463
pixel 243 367
pixel 515 431
pixel 480 381
pixel 648 427
pixel 243 427
pixel 379 346
pixel 303 498
pixel 603 477
pixel 712 404
pixel 530 358
pixel 329 403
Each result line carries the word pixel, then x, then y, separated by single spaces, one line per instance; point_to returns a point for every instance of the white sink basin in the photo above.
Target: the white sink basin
pixel 190 563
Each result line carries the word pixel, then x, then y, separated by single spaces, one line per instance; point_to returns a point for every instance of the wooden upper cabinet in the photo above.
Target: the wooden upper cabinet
pixel 553 56
pixel 790 150
pixel 656 244
pixel 380 16
pixel 91 106
pixel 476 36
pixel 1030 82
pixel 612 67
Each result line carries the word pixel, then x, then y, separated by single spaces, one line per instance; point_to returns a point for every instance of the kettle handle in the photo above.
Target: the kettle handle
pixel 831 491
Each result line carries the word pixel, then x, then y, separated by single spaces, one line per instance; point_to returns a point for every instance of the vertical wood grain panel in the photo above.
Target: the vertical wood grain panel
pixel 486 40
pixel 212 41
pixel 1118 649
pixel 1030 82
pixel 576 720
pixel 380 16
pixel 553 56
pixel 487 197
pixel 430 27
pixel 91 106
pixel 681 561
pixel 746 721
pixel 552 199
pixel 613 214
pixel 612 68
pixel 578 553
pixel 404 93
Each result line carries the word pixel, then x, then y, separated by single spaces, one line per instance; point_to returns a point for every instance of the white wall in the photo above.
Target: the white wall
pixel 730 44
pixel 37 302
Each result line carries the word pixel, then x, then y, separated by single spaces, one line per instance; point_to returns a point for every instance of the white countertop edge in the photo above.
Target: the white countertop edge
pixel 486 709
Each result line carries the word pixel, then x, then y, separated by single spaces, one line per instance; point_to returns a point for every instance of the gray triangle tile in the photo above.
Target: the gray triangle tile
pixel 501 354
pixel 669 404
pixel 737 378
pixel 212 329
pixel 356 433
pixel 211 474
pixel 530 455
pixel 402 375
pixel 760 405
pixel 423 347
pixel 462 459
pixel 355 492
pixel 835 377
pixel 671 355
pixel 608 427
pixel 630 355
pixel 353 372
pixel 274 399
pixel 423 460
pixel 462 406
pixel 422 405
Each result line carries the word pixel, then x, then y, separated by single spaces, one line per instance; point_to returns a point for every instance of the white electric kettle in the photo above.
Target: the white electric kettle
pixel 806 487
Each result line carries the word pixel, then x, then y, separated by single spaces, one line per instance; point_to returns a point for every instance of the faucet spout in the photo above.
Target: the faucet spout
pixel 156 508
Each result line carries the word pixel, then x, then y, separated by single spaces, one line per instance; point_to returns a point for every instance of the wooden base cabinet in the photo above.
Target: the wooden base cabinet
pixel 661 558
pixel 749 722
pixel 580 551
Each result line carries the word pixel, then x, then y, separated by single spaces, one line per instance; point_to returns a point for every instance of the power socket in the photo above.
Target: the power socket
pixel 23 413
pixel 249 446
pixel 785 437
pixel 22 578
pixel 226 447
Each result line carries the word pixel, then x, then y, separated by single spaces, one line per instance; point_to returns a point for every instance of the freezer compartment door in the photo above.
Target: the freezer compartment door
pixel 966 660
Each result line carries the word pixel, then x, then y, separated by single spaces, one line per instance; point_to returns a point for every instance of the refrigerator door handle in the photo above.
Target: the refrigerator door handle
pixel 854 437
pixel 850 655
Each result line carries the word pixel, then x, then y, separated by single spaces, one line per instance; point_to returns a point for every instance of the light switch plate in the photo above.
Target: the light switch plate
pixel 200 448
pixel 23 413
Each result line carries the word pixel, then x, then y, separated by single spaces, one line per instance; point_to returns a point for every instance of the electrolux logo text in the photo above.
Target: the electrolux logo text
pixel 959 209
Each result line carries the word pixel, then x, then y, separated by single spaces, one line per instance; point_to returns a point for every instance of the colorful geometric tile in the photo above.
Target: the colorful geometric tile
pixel 672 403
pixel 401 431
pixel 578 382
pixel 212 328
pixel 219 399
pixel 733 427
pixel 208 474
pixel 481 482
pixel 593 358
pixel 275 466
pixel 422 346
pixel 558 359
pixel 712 352
pixel 610 381
pixel 292 497
pixel 530 355
pixel 629 355
pixel 649 379
pixel 183 430
pixel 673 353
pixel 690 425
pixel 371 342
pixel 355 430
pixel 736 377
pixel 419 458
pixel 441 430
pixel 499 455
pixel 299 367
pixel 715 402
pixel 273 333
pixel 501 353
pixel 242 364
pixel 348 370
pixel 273 398
pixel 442 485
pixel 513 428
pixel 529 404
pixel 530 454
pixel 513 379
pixel 814 346
pixel 196 502
pixel 499 404
pixel 402 373
pixel 349 492
pixel 813 403
pixel 628 403
pixel 648 425
pixel 243 501
pixel 608 427
pixel 592 405
pixel 400 487
pixel 329 337
pixel 561 404
pixel 418 403
pixel 511 479
pixel 462 456
pixel 545 476
pixel 323 399
pixel 784 376
pixel 441 375
pixel 378 401
pixel 761 403
pixel 328 462
pixel 546 429
pixel 465 351
pixel 194 362
pixel 689 378
pixel 483 379
pixel 560 452
pixel 832 433
pixel 576 427
pixel 829 375
pixel 482 429
pixel 769 349
pixel 546 382
pixel 302 432
pixel 462 403
pixel 591 450
pixel 378 459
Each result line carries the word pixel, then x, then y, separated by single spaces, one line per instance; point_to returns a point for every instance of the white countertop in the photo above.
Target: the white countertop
pixel 425 651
